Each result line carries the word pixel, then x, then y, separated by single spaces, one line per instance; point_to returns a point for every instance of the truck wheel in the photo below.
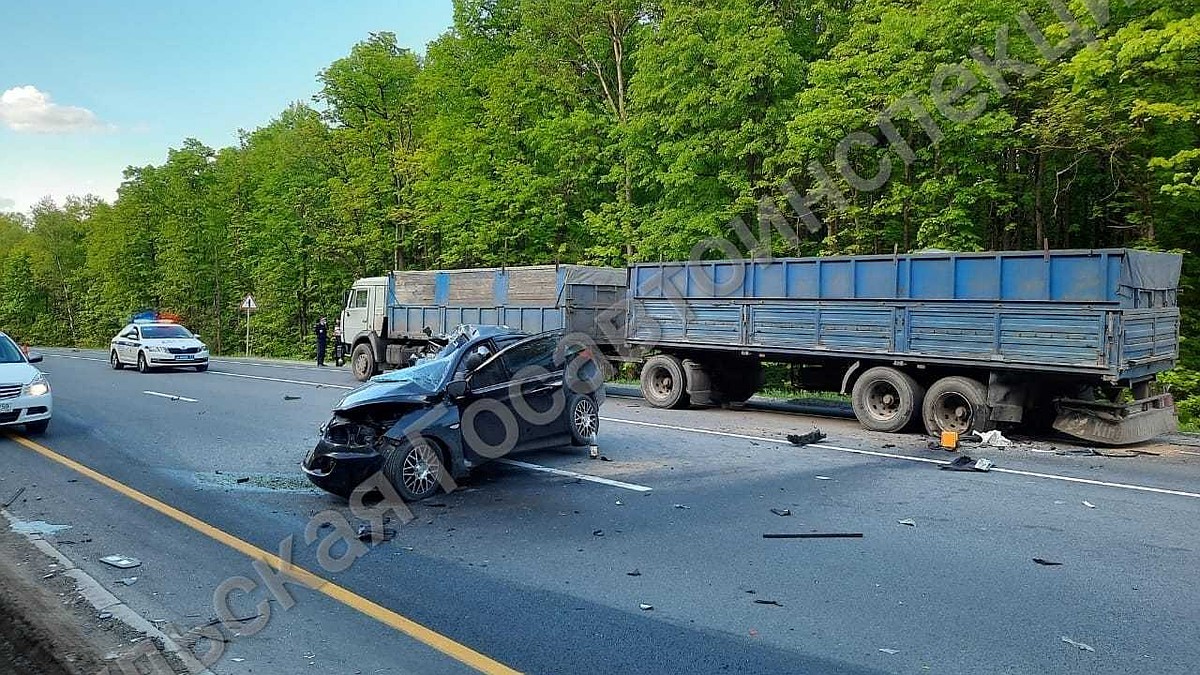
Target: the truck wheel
pixel 885 399
pixel 363 362
pixel 956 404
pixel 663 382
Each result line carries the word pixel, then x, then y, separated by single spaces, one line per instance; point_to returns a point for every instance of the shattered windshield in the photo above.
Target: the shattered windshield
pixel 428 375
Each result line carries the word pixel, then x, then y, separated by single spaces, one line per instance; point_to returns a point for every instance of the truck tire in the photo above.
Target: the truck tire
pixel 663 382
pixel 362 362
pixel 956 404
pixel 885 399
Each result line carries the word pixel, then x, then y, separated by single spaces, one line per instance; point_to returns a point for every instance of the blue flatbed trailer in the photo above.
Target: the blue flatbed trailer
pixel 959 341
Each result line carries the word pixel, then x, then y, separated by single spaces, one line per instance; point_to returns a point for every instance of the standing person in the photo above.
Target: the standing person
pixel 322 331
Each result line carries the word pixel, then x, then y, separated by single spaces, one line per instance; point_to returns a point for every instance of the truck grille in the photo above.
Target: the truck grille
pixel 9 391
pixel 184 350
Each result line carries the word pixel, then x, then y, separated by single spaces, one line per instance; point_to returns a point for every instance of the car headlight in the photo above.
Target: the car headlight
pixel 158 350
pixel 38 387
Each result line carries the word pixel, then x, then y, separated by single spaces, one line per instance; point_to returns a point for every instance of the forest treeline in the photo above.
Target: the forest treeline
pixel 608 131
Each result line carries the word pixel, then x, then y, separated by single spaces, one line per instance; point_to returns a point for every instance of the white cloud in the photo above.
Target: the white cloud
pixel 7 204
pixel 26 109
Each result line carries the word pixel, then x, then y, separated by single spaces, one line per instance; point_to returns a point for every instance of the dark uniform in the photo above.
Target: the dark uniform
pixel 322 332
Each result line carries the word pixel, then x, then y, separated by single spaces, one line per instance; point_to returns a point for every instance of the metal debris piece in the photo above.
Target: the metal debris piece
pixel 128 581
pixel 104 616
pixel 965 463
pixel 783 513
pixel 773 603
pixel 889 652
pixel 823 478
pixel 814 436
pixel 816 535
pixel 1089 505
pixel 604 458
pixel 635 573
pixel 646 608
pixel 597 533
pixel 121 562
pixel 1047 563
pixel 620 503
pixel 682 506
pixel 291 398
pixel 907 521
pixel 243 480
pixel 370 535
pixel 14 498
pixel 1078 645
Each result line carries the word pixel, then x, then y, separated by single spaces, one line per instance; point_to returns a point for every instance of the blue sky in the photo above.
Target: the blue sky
pixel 88 88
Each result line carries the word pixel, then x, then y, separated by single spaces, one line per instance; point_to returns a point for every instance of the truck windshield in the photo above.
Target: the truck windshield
pixel 9 352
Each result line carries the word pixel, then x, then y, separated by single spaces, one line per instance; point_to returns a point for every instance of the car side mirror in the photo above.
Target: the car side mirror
pixel 196 335
pixel 35 358
pixel 457 389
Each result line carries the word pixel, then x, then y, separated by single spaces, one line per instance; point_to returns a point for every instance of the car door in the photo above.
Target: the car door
pixel 357 315
pixel 535 391
pixel 125 342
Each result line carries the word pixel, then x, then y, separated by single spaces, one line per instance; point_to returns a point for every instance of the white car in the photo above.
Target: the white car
pixel 157 344
pixel 24 391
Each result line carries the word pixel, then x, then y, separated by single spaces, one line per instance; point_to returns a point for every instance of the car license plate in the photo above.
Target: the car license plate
pixel 184 357
pixel 5 407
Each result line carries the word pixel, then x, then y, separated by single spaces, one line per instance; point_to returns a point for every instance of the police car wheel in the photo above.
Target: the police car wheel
pixel 143 366
pixel 115 361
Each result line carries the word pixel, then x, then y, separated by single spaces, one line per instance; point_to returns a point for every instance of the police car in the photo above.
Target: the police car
pixel 146 345
pixel 24 391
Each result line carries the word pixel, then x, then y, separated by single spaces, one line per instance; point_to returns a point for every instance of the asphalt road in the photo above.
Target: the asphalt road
pixel 532 569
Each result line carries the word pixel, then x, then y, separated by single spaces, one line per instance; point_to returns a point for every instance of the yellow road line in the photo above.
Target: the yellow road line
pixel 443 644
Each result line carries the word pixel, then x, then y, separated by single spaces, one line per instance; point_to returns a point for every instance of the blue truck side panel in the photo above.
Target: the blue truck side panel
pixel 1109 313
pixel 529 299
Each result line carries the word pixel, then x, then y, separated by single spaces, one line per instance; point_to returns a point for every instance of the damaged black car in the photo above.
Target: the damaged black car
pixel 490 392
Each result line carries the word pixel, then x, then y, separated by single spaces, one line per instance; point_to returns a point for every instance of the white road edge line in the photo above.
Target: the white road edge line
pixel 1187 452
pixel 572 474
pixel 319 385
pixel 173 397
pixel 888 455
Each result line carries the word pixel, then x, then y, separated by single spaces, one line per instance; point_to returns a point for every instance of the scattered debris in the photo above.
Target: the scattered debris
pixel 994 439
pixel 965 463
pixel 370 535
pixel 823 478
pixel 37 527
pixel 1078 645
pixel 593 451
pixel 907 521
pixel 646 608
pixel 1089 505
pixel 243 480
pixel 128 581
pixel 121 562
pixel 888 446
pixel 49 576
pixel 604 458
pixel 635 573
pixel 14 498
pixel 1047 563
pixel 814 436
pixel 949 441
pixel 783 513
pixel 620 503
pixel 889 652
pixel 291 398
pixel 816 535
pixel 682 506
pixel 773 603
pixel 597 533
pixel 1076 452
pixel 1116 454
pixel 104 616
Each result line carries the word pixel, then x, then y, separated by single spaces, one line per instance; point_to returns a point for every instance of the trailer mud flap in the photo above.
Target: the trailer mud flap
pixel 1116 423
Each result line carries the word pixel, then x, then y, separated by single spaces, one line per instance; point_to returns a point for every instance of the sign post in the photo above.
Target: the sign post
pixel 249 306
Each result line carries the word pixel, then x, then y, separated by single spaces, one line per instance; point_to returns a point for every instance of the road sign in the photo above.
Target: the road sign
pixel 248 304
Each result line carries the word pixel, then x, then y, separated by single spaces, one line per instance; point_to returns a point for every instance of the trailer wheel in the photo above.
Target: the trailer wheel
pixel 663 382
pixel 363 362
pixel 886 399
pixel 957 404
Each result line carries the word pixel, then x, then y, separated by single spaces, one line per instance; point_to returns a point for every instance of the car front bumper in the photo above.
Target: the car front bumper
pixel 172 360
pixel 25 409
pixel 336 470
